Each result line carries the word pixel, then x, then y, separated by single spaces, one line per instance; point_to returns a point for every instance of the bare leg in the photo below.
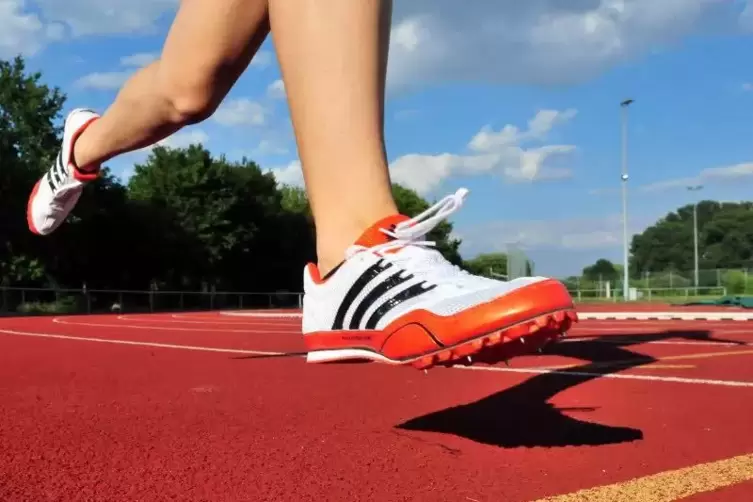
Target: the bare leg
pixel 208 47
pixel 333 57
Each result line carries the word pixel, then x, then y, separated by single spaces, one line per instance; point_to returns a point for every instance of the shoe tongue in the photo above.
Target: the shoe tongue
pixel 373 236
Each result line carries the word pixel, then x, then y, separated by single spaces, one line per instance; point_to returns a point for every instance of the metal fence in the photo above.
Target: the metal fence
pixel 15 301
pixel 674 285
pixel 669 284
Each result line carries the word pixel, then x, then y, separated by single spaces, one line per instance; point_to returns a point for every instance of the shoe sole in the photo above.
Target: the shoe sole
pixel 29 219
pixel 553 324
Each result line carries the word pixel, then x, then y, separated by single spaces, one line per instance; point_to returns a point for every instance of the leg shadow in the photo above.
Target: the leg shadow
pixel 521 416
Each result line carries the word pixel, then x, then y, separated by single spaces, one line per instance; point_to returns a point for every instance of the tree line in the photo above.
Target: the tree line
pixel 663 255
pixel 185 220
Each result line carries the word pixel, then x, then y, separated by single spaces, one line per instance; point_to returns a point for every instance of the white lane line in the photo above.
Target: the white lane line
pixel 212 322
pixel 142 344
pixel 617 376
pixel 605 316
pixel 639 343
pixel 649 328
pixel 265 331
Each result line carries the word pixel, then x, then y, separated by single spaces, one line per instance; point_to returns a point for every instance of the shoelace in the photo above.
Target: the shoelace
pixel 408 234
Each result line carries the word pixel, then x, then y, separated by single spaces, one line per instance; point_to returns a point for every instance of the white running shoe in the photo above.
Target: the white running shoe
pixel 397 300
pixel 58 191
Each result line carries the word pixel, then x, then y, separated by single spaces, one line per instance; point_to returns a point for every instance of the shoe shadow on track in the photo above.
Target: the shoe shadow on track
pixel 522 417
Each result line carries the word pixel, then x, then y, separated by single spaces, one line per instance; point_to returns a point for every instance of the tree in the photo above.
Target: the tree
pixel 411 204
pixel 220 214
pixel 487 264
pixel 28 142
pixel 408 203
pixel 602 270
pixel 725 239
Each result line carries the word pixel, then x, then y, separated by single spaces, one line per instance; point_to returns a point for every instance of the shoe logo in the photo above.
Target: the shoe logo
pixel 376 296
pixel 57 174
pixel 357 338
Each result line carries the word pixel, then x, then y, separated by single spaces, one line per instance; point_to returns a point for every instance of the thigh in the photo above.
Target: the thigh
pixel 212 42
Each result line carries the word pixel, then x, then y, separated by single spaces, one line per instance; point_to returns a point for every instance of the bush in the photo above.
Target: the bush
pixel 64 305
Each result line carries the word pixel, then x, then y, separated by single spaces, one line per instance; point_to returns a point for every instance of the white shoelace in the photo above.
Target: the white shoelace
pixel 416 255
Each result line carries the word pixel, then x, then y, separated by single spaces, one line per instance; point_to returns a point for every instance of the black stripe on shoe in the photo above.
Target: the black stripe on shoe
pixel 403 296
pixel 56 174
pixel 374 295
pixel 366 277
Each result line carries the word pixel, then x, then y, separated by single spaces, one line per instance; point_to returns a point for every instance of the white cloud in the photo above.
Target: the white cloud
pixel 746 18
pixel 103 81
pixel 534 41
pixel 291 174
pixel 747 86
pixel 276 90
pixel 732 173
pixel 97 17
pixel 184 139
pixel 22 32
pixel 262 59
pixel 576 234
pixel 111 80
pixel 181 139
pixel 242 111
pixel 268 147
pixel 139 59
pixel 491 151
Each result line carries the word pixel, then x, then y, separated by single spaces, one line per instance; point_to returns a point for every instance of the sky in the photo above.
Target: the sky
pixel 517 101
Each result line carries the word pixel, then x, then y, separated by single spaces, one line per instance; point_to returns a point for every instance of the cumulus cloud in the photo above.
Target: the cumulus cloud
pixel 242 111
pixel 23 32
pixel 139 59
pixel 722 174
pixel 575 234
pixel 100 17
pixel 290 174
pixel 503 152
pixel 112 80
pixel 536 41
pixel 262 59
pixel 276 90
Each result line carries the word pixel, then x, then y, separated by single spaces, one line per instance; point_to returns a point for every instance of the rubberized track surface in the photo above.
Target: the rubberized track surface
pixel 214 407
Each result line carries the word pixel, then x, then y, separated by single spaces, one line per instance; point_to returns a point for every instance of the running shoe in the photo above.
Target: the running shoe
pixel 395 299
pixel 57 192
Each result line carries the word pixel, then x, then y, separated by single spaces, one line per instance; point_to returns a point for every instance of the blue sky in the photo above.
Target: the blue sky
pixel 517 101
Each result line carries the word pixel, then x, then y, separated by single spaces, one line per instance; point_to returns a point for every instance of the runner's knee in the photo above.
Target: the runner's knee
pixel 192 99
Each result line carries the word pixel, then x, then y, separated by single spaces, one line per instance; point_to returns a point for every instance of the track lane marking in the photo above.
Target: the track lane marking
pixel 668 486
pixel 615 376
pixel 266 331
pixel 142 344
pixel 535 371
pixel 648 361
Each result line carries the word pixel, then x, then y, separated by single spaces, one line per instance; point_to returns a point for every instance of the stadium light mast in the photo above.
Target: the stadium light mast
pixel 695 188
pixel 626 245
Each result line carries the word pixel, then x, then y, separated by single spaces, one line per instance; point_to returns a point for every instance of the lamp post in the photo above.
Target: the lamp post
pixel 625 280
pixel 695 188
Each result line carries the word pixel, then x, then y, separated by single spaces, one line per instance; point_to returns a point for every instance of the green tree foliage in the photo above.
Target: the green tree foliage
pixel 487 264
pixel 725 239
pixel 28 136
pixel 411 204
pixel 601 270
pixel 185 220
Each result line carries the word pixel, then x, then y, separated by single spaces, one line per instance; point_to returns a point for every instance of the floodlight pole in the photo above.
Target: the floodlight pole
pixel 695 188
pixel 626 245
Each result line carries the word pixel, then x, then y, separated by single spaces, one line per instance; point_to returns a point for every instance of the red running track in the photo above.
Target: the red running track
pixel 202 407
